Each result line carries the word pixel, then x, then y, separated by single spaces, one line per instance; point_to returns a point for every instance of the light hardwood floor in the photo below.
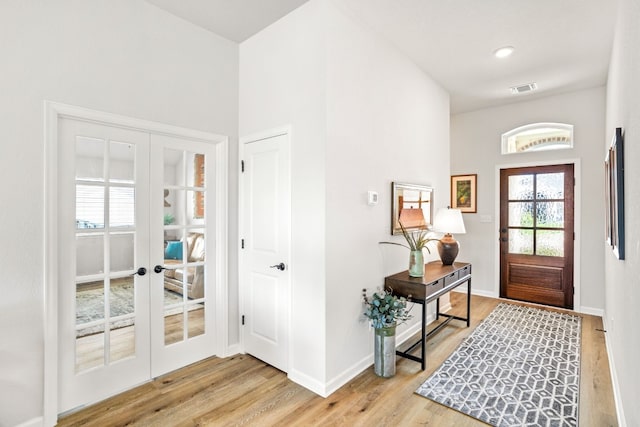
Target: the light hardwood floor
pixel 243 391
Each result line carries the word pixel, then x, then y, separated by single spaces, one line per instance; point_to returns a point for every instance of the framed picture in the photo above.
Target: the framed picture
pixel 463 193
pixel 412 205
pixel 614 194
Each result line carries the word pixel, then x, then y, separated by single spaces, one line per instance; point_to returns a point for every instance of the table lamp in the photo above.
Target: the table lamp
pixel 448 221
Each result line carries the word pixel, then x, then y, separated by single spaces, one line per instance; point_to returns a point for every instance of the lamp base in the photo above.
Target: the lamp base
pixel 448 248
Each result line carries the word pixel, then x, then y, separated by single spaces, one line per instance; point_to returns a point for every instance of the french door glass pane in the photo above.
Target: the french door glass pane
pixel 122 205
pixel 520 214
pixel 89 206
pixel 121 164
pixel 90 159
pixel 195 319
pixel 89 254
pixel 550 185
pixel 121 251
pixel 521 187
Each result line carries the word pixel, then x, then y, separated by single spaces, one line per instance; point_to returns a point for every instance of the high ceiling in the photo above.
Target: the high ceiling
pixel 562 45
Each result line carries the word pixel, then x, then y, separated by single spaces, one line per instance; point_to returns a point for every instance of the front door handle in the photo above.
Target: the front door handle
pixel 280 266
pixel 158 268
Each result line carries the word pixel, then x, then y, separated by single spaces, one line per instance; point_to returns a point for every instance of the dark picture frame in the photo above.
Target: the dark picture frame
pixel 412 202
pixel 463 193
pixel 614 194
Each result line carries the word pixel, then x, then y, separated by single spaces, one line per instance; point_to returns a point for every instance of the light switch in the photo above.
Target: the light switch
pixel 372 198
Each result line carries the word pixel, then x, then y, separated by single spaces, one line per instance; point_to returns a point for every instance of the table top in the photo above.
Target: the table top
pixel 436 278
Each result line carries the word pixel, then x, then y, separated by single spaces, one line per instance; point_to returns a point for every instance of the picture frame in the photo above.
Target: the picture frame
pixel 463 192
pixel 413 205
pixel 614 195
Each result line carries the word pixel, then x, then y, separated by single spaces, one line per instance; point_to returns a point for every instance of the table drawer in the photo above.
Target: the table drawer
pixel 464 271
pixel 434 287
pixel 450 278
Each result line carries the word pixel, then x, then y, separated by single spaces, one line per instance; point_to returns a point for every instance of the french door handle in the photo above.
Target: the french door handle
pixel 504 230
pixel 141 272
pixel 280 266
pixel 158 268
pixel 504 239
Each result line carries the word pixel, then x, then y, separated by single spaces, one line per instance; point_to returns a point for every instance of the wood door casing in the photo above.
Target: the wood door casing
pixel 534 277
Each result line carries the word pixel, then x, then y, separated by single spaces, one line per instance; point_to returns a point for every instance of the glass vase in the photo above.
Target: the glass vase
pixel 416 264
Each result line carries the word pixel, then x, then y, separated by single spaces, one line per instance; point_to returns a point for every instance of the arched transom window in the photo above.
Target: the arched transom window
pixel 537 137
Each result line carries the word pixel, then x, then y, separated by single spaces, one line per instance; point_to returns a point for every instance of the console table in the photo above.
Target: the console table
pixel 438 280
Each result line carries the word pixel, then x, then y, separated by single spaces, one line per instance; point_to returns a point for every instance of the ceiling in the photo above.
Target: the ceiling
pixel 562 45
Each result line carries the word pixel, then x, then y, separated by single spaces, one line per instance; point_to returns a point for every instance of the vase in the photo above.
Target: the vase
pixel 384 363
pixel 416 264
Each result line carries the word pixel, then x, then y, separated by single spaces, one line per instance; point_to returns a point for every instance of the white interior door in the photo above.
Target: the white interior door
pixel 137 232
pixel 103 174
pixel 265 272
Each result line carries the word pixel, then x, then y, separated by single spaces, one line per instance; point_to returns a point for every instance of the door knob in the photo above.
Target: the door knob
pixel 280 266
pixel 504 239
pixel 504 230
pixel 141 272
pixel 158 268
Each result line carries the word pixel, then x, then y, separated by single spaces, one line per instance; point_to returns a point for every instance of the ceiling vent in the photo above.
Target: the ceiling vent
pixel 524 88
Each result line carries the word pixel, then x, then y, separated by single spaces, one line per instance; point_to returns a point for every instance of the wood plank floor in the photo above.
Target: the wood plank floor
pixel 243 391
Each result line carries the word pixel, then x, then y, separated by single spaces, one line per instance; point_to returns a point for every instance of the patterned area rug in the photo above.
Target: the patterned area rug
pixel 90 305
pixel 519 367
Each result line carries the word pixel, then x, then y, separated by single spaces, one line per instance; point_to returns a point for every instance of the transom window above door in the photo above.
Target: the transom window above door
pixel 538 137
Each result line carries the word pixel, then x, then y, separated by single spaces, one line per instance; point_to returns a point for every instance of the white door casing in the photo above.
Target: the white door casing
pixel 265 269
pixel 57 211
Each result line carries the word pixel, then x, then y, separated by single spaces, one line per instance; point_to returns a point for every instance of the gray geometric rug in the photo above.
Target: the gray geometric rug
pixel 519 367
pixel 90 304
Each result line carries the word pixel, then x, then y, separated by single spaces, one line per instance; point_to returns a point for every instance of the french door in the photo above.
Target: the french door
pixel 135 249
pixel 536 234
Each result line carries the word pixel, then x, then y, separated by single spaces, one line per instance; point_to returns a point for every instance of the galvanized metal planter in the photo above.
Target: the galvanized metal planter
pixel 384 359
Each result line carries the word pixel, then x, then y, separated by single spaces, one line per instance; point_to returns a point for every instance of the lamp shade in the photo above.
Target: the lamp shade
pixel 449 221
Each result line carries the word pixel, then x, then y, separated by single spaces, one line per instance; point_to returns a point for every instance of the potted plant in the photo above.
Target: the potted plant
pixel 416 242
pixel 385 311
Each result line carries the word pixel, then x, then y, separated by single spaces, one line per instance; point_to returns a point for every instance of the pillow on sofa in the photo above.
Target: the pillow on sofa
pixel 173 250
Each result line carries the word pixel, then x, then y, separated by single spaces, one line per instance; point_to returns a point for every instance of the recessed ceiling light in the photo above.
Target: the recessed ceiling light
pixel 503 52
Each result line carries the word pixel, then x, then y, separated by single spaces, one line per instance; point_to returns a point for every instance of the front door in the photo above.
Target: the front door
pixel 137 221
pixel 536 234
pixel 265 271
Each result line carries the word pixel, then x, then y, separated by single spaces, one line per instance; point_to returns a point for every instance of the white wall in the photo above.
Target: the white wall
pixel 475 148
pixel 362 116
pixel 622 286
pixel 387 121
pixel 125 57
pixel 283 82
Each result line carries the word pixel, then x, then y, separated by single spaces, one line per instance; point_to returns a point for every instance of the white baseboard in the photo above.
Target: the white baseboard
pixel 308 382
pixel 592 311
pixel 231 350
pixel 622 422
pixel 364 363
pixel 34 422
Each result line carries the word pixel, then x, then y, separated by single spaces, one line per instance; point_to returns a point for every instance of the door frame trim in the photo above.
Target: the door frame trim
pixel 577 218
pixel 53 113
pixel 255 137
